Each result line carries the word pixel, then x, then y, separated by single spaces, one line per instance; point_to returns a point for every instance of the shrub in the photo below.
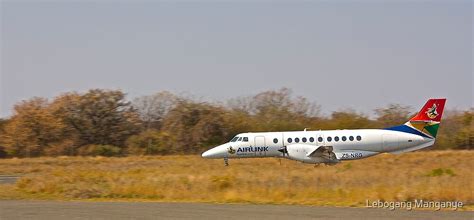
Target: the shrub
pixel 100 150
pixel 3 153
pixel 441 172
pixel 150 142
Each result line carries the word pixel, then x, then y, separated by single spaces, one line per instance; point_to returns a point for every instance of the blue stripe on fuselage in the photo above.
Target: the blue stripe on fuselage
pixel 407 129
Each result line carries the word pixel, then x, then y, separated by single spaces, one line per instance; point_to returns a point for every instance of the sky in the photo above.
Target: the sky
pixel 339 54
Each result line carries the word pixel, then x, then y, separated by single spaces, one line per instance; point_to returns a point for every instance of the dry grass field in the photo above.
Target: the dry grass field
pixel 429 175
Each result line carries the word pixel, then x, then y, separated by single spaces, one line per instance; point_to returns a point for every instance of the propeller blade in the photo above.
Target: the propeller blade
pixel 283 150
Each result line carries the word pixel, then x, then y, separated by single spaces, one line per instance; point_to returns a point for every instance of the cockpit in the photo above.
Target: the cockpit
pixel 239 139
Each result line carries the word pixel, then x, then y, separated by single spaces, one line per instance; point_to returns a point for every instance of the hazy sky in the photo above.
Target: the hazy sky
pixel 341 54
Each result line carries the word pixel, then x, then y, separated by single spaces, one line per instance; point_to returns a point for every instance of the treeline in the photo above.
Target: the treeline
pixel 104 122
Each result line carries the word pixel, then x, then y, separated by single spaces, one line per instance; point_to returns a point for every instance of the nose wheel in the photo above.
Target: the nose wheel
pixel 226 161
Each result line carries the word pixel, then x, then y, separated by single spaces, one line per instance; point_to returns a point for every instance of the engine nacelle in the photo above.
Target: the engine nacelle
pixel 300 152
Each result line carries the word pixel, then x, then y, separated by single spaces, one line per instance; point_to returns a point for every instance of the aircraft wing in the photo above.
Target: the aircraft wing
pixel 325 152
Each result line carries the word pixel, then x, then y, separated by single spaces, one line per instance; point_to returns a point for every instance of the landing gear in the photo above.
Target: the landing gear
pixel 226 161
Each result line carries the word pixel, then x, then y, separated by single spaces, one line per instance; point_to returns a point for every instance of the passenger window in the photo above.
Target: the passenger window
pixel 359 138
pixel 311 139
pixel 304 140
pixel 297 140
pixel 351 138
pixel 275 140
pixel 344 138
pixel 320 139
pixel 290 140
pixel 240 139
pixel 336 138
pixel 329 139
pixel 246 139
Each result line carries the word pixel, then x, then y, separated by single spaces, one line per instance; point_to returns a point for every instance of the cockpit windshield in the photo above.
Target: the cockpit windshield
pixel 240 139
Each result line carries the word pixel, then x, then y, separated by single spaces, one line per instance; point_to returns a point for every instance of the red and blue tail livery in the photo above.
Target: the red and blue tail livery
pixel 429 118
pixel 431 111
pixel 426 122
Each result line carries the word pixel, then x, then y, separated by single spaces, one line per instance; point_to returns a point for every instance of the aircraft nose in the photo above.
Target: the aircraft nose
pixel 207 154
pixel 216 152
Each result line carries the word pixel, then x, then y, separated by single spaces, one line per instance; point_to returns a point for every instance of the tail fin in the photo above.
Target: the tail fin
pixel 428 119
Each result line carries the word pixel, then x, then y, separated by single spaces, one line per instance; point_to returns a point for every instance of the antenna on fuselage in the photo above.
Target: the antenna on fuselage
pixel 305 129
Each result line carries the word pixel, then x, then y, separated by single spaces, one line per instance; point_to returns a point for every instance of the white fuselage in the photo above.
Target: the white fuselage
pixel 345 144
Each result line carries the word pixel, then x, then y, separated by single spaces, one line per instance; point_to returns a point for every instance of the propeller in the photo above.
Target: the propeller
pixel 284 151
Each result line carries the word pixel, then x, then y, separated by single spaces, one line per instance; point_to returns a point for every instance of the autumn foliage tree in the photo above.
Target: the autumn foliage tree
pixel 99 117
pixel 69 123
pixel 151 142
pixel 152 109
pixel 276 110
pixel 456 130
pixel 33 129
pixel 195 126
pixel 393 114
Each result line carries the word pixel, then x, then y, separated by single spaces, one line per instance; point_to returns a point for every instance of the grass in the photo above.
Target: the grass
pixel 427 175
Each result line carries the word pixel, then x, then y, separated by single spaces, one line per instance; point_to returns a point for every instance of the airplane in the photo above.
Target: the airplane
pixel 333 146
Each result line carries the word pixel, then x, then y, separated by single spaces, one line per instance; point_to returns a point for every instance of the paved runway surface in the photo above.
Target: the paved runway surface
pixel 149 210
pixel 6 179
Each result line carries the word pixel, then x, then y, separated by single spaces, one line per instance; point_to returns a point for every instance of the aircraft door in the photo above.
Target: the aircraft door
pixel 260 142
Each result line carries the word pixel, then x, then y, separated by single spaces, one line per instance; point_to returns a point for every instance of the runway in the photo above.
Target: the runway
pixel 19 209
pixel 8 179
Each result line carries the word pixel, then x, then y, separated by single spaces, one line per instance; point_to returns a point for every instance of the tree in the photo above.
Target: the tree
pixel 282 102
pixel 150 142
pixel 465 136
pixel 153 108
pixel 392 115
pixel 32 129
pixel 98 117
pixel 349 119
pixel 195 126
pixel 457 130
pixel 3 122
pixel 277 110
